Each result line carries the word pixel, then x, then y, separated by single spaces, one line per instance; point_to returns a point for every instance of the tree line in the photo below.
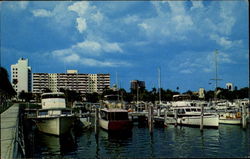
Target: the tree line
pixel 141 94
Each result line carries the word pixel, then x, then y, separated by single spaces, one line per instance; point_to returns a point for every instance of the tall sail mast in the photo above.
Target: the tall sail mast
pixel 159 83
pixel 216 74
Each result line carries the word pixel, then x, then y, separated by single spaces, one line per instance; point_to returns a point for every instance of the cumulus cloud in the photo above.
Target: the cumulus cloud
pixel 224 41
pixel 197 5
pixel 71 58
pixel 79 7
pixel 87 51
pixel 17 5
pixel 81 24
pixel 41 13
pixel 88 46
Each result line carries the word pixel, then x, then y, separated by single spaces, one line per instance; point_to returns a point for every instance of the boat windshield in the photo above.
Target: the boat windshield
pixel 66 112
pixel 111 97
pixel 114 115
pixel 53 96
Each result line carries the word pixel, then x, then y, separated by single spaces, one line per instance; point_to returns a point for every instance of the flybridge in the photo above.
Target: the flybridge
pixel 53 100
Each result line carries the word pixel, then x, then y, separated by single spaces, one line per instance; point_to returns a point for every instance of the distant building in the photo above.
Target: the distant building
pixel 229 86
pixel 72 80
pixel 134 84
pixel 201 93
pixel 21 76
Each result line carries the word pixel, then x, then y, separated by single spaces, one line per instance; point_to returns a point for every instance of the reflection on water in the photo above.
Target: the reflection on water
pixel 227 141
pixel 55 146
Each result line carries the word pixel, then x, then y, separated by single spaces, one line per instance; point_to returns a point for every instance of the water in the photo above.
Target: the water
pixel 227 141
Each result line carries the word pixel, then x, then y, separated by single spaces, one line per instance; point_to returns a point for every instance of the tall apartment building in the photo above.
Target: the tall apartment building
pixel 21 76
pixel 72 80
pixel 136 83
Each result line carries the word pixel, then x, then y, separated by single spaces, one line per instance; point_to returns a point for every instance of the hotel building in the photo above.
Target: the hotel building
pixel 21 76
pixel 72 80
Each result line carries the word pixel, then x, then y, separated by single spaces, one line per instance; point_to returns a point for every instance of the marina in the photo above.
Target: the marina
pixel 147 133
pixel 184 142
pixel 140 79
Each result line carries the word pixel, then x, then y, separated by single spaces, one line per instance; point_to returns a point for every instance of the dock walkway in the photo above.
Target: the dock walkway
pixel 10 133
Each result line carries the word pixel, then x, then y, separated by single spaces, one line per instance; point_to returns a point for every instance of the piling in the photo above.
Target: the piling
pixel 165 117
pixel 202 115
pixel 158 111
pixel 175 117
pixel 96 119
pixel 150 119
pixel 244 117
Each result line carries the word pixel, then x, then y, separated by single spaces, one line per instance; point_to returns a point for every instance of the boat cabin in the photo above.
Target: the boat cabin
pixel 114 114
pixel 53 100
pixel 188 110
pixel 54 112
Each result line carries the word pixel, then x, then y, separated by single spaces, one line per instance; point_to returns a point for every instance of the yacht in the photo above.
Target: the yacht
pixel 54 118
pixel 114 119
pixel 230 117
pixel 190 116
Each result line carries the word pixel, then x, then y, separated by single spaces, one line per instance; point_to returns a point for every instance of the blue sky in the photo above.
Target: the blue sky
pixel 132 39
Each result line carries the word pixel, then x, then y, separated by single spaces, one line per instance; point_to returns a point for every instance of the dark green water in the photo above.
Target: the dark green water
pixel 225 142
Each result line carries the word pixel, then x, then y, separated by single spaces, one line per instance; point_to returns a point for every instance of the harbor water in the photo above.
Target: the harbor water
pixel 225 142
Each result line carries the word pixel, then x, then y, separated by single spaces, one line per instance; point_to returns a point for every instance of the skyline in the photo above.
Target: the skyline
pixel 132 40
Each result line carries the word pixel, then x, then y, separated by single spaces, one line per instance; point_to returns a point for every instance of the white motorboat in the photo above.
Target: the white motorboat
pixel 114 119
pixel 190 116
pixel 54 118
pixel 230 117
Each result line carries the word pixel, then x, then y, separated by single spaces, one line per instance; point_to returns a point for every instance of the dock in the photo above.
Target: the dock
pixel 12 143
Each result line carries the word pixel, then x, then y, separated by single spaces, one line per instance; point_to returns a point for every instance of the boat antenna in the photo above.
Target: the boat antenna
pixel 216 79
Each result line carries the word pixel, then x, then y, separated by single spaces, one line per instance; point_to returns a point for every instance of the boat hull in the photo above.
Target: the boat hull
pixel 117 125
pixel 55 125
pixel 230 121
pixel 208 121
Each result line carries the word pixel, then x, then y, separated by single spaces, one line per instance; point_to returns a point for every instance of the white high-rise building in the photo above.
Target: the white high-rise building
pixel 229 86
pixel 21 76
pixel 72 80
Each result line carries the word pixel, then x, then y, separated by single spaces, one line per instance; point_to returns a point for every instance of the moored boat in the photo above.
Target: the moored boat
pixel 114 120
pixel 54 118
pixel 230 117
pixel 190 116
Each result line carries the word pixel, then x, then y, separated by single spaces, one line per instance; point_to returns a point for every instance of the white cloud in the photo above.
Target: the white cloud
pixel 112 47
pixel 177 7
pixel 225 42
pixel 194 62
pixel 89 46
pixel 23 4
pixel 81 24
pixel 186 71
pixel 97 63
pixel 87 51
pixel 144 26
pixel 97 17
pixel 196 5
pixel 131 19
pixel 42 13
pixel 79 7
pixel 71 58
pixel 17 5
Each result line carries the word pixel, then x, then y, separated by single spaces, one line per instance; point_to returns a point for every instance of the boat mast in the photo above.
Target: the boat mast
pixel 159 83
pixel 216 74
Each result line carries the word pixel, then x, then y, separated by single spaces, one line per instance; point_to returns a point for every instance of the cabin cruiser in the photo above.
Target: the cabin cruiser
pixel 190 116
pixel 54 118
pixel 114 119
pixel 113 101
pixel 230 117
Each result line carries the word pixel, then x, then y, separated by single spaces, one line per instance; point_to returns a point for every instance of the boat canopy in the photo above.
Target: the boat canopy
pixel 114 115
pixel 53 95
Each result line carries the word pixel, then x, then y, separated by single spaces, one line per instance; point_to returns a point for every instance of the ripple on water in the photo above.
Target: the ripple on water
pixel 227 141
